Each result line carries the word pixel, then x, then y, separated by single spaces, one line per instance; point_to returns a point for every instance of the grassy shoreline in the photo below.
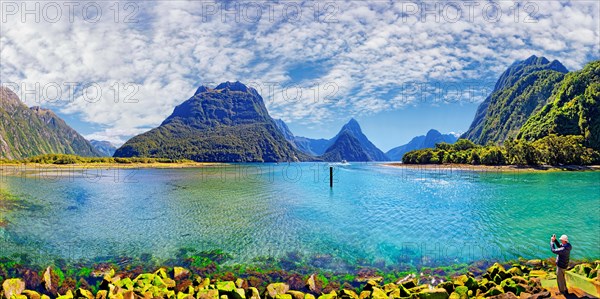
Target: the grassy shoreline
pixel 499 168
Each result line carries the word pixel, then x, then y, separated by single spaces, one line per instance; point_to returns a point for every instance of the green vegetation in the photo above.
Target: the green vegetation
pixel 550 150
pixel 573 109
pixel 521 90
pixel 26 132
pixel 61 159
pixel 227 124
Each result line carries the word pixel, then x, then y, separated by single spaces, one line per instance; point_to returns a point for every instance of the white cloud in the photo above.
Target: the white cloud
pixel 368 51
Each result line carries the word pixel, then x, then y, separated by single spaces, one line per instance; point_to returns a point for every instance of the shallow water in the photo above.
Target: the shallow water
pixel 373 213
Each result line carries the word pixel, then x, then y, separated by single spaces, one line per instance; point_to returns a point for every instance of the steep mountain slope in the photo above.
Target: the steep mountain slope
pixel 229 123
pixel 346 147
pixel 519 92
pixel 105 148
pixel 26 132
pixel 420 142
pixel 364 148
pixel 573 109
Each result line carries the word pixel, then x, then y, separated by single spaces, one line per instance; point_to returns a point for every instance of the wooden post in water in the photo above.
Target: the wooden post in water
pixel 330 176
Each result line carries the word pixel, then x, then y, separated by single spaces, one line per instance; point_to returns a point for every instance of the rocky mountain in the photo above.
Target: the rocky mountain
pixel 105 148
pixel 352 145
pixel 573 109
pixel 26 132
pixel 420 142
pixel 228 123
pixel 521 91
pixel 346 147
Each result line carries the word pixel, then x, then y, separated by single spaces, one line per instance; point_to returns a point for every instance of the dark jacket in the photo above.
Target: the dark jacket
pixel 562 253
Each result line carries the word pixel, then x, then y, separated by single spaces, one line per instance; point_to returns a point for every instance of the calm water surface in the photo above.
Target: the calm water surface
pixel 373 213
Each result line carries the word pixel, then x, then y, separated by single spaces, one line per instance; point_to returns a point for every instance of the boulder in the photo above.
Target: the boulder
pixel 180 273
pixel 275 289
pixel 311 284
pixel 364 295
pixel 296 294
pixel 226 287
pixel 348 294
pixel 372 283
pixel 515 271
pixel 378 293
pixel 47 282
pixel 309 296
pixel 495 269
pixel 239 293
pixel 462 292
pixel 497 290
pixel 14 286
pixel 252 293
pixel 83 293
pixel 538 273
pixel 102 294
pixel 207 294
pixel 283 296
pixel 31 294
pixel 507 295
pixel 467 281
pixel 433 294
pixel 67 295
pixel 524 295
pixel 536 264
pixel 447 285
pixel 388 288
pixel 541 295
pixel 332 295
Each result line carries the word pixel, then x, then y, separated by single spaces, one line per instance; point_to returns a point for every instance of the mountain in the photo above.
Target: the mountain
pixel 420 142
pixel 105 148
pixel 573 109
pixel 229 123
pixel 309 146
pixel 346 147
pixel 521 91
pixel 352 145
pixel 26 132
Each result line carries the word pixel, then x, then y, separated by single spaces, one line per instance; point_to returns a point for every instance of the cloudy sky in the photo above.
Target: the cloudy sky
pixel 115 69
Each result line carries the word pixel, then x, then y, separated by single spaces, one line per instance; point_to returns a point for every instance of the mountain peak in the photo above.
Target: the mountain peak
pixel 533 60
pixel 352 125
pixel 233 86
pixel 433 132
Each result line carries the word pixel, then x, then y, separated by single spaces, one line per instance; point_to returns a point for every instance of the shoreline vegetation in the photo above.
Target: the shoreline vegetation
pixel 205 277
pixel 494 168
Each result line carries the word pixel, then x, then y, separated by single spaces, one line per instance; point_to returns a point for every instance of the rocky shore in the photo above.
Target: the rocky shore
pixel 518 280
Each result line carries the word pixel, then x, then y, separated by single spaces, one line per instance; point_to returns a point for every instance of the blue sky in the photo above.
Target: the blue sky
pixel 399 67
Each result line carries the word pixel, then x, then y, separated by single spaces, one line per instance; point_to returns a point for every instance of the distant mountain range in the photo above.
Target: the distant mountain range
pixel 228 123
pixel 420 142
pixel 26 132
pixel 349 144
pixel 522 90
pixel 105 148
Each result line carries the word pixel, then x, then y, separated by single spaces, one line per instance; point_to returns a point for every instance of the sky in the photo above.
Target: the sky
pixel 116 69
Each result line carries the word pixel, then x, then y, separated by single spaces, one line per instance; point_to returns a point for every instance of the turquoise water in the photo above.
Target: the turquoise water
pixel 373 213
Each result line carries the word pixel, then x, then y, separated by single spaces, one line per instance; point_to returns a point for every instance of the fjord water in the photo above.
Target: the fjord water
pixel 373 213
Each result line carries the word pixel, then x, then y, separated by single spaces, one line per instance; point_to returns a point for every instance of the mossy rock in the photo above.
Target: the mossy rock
pixel 364 295
pixel 296 294
pixel 226 287
pixel 538 273
pixel 275 289
pixel 102 294
pixel 252 293
pixel 284 296
pixel 13 287
pixel 495 269
pixel 436 293
pixel 447 285
pixel 68 295
pixel 182 295
pixel 462 291
pixel 378 293
pixel 239 293
pixel 409 284
pixel 332 295
pixel 497 290
pixel 348 294
pixel 309 296
pixel 180 273
pixel 32 294
pixel 515 271
pixel 389 287
pixel 83 293
pixel 207 294
pixel 454 295
pixel 467 281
